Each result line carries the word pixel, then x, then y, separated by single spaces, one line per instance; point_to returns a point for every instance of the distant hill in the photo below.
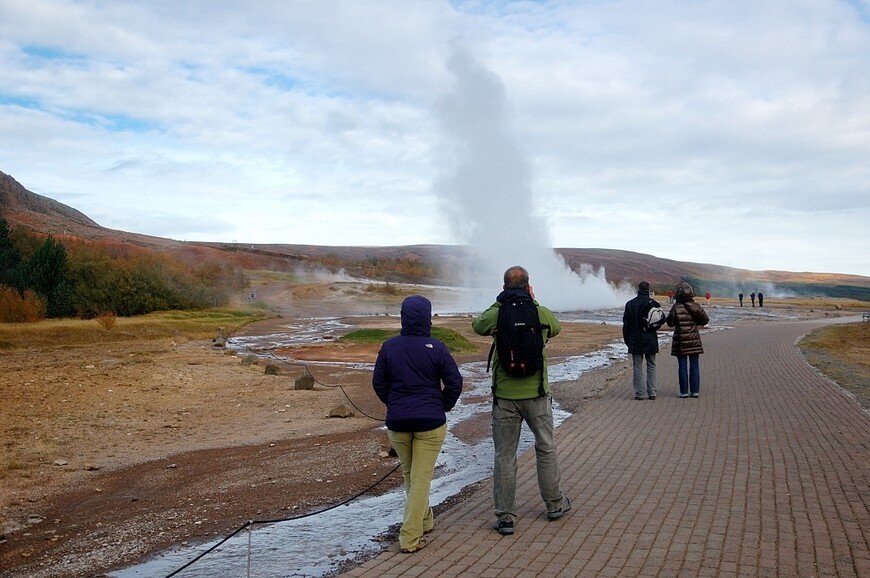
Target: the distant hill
pixel 719 280
pixel 23 208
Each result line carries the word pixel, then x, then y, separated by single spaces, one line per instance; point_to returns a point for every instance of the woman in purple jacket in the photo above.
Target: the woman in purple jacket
pixel 408 375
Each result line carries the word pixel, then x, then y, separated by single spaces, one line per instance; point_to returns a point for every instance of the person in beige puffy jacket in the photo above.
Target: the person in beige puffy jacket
pixel 686 317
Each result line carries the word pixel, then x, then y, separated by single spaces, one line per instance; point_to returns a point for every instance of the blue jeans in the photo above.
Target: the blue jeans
pixel 689 372
pixel 418 452
pixel 507 421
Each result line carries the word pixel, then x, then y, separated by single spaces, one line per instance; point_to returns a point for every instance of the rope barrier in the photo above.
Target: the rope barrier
pixel 317 381
pixel 251 523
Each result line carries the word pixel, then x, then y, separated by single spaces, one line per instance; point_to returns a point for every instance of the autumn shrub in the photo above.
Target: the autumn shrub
pixel 80 278
pixel 131 281
pixel 107 320
pixel 380 267
pixel 17 308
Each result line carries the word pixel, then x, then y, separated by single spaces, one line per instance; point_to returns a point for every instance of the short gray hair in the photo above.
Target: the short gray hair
pixel 516 277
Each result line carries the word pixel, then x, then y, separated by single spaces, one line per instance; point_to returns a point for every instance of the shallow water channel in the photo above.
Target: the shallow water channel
pixel 315 545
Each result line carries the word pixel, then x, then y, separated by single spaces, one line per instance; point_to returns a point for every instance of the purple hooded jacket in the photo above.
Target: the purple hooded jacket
pixel 409 372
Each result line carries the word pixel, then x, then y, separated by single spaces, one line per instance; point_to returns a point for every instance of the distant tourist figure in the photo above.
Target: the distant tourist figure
pixel 760 299
pixel 707 297
pixel 521 393
pixel 408 377
pixel 642 341
pixel 740 297
pixel 752 297
pixel 670 296
pixel 685 317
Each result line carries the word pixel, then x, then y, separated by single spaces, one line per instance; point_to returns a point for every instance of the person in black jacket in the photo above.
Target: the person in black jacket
pixel 408 377
pixel 642 343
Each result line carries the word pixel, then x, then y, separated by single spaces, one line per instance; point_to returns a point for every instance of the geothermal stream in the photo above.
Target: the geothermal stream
pixel 314 546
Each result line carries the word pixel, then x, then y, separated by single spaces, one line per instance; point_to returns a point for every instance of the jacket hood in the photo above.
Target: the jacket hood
pixel 684 292
pixel 512 294
pixel 416 316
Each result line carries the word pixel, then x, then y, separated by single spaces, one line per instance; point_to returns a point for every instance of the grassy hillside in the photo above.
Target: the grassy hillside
pixel 418 263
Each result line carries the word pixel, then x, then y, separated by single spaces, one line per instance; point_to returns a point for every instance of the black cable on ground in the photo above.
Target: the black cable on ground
pixel 263 522
pixel 251 523
pixel 317 381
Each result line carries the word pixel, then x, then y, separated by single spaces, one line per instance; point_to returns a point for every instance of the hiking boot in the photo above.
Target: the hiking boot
pixel 566 505
pixel 420 545
pixel 505 527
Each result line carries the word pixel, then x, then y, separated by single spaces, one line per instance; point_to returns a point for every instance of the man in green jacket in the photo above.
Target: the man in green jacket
pixel 516 399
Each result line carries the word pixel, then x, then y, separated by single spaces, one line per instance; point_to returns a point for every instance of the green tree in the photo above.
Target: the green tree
pixel 45 273
pixel 10 258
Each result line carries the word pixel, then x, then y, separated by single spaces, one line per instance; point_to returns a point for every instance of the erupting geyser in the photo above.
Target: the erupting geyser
pixel 486 195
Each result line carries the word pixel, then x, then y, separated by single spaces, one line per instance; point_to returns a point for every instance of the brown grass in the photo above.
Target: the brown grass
pixel 168 324
pixel 842 353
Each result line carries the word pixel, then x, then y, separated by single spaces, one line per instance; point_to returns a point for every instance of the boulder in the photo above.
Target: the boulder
pixel 304 381
pixel 272 369
pixel 219 340
pixel 340 410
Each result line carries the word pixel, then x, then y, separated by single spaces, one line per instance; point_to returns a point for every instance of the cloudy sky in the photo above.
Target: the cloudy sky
pixel 734 133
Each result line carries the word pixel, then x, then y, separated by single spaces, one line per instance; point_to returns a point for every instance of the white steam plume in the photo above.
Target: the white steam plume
pixel 487 198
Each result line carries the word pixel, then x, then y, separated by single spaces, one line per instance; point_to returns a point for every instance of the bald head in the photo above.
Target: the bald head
pixel 516 278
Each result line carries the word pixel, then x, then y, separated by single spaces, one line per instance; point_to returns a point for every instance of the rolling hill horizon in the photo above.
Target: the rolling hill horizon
pixel 42 215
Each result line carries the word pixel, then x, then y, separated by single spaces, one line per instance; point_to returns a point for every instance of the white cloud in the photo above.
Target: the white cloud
pixel 732 133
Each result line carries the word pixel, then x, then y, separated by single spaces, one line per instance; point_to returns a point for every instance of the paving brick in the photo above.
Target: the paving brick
pixel 764 475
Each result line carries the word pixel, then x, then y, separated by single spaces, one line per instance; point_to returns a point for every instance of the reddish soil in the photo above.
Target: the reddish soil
pixel 113 454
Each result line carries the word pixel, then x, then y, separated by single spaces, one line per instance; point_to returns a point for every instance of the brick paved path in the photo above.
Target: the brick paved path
pixel 766 474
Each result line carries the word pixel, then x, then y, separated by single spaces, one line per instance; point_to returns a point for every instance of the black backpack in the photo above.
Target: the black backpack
pixel 519 339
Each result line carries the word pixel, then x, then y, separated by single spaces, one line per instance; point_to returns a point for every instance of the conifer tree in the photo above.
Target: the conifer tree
pixel 10 258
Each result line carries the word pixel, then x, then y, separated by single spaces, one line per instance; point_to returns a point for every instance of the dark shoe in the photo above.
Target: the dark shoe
pixel 638 398
pixel 420 545
pixel 566 505
pixel 505 527
pixel 652 397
